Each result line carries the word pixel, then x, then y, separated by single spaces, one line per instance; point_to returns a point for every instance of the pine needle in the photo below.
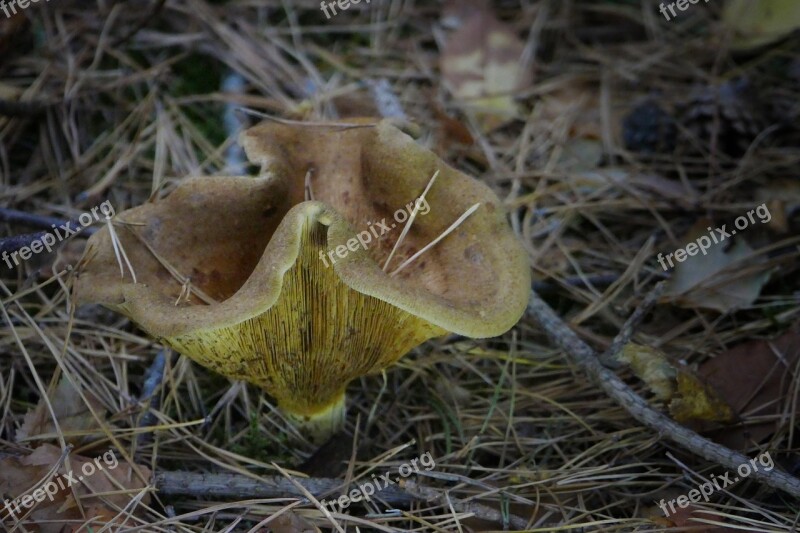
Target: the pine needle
pixel 444 234
pixel 410 220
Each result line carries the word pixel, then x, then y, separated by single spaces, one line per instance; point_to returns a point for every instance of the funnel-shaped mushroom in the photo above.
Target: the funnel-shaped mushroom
pixel 246 277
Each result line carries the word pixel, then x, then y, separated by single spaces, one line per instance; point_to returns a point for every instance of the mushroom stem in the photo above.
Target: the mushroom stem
pixel 320 426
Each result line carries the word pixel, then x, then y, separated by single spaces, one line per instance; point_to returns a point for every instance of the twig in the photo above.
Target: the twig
pixel 152 380
pixel 222 485
pixel 233 85
pixel 584 357
pixel 388 103
pixel 310 497
pixel 41 221
pixel 15 242
pixel 37 221
pixel 608 358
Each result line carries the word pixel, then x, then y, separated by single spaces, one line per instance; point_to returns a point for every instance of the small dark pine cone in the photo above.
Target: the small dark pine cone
pixel 732 111
pixel 648 129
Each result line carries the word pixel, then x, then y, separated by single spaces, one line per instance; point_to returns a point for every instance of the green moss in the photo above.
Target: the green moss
pixel 196 74
pixel 200 74
pixel 259 445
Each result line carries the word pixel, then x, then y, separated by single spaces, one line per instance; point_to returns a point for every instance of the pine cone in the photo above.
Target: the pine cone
pixel 732 112
pixel 648 129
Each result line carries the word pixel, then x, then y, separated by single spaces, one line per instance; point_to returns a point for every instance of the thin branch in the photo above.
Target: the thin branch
pixel 223 485
pixel 609 357
pixel 153 377
pixel 309 496
pixel 15 242
pixel 236 486
pixel 37 221
pixel 583 356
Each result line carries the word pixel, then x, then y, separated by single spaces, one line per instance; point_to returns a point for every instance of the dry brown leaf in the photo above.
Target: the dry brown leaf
pixel 71 411
pixel 755 378
pixel 53 506
pixel 716 280
pixel 652 367
pixel 697 401
pixel 482 63
pixel 688 397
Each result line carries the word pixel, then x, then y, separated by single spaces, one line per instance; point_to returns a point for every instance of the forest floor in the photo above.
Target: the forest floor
pixel 620 142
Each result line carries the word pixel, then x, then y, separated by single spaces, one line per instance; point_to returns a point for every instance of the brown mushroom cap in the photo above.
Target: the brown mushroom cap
pixel 275 314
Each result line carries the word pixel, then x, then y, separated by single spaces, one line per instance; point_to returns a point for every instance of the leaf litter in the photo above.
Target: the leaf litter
pixel 520 425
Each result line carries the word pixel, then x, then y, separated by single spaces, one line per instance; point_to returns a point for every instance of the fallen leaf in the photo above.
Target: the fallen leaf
pixel 724 279
pixel 652 367
pixel 101 484
pixel 757 23
pixel 482 63
pixel 755 379
pixel 71 411
pixel 688 397
pixel 697 401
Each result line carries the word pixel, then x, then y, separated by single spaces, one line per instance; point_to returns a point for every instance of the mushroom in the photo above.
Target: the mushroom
pixel 250 278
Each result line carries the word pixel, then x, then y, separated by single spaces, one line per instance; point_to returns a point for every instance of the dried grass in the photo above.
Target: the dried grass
pixel 512 426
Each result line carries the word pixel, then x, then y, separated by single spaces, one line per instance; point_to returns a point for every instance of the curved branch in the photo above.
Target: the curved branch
pixel 582 355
